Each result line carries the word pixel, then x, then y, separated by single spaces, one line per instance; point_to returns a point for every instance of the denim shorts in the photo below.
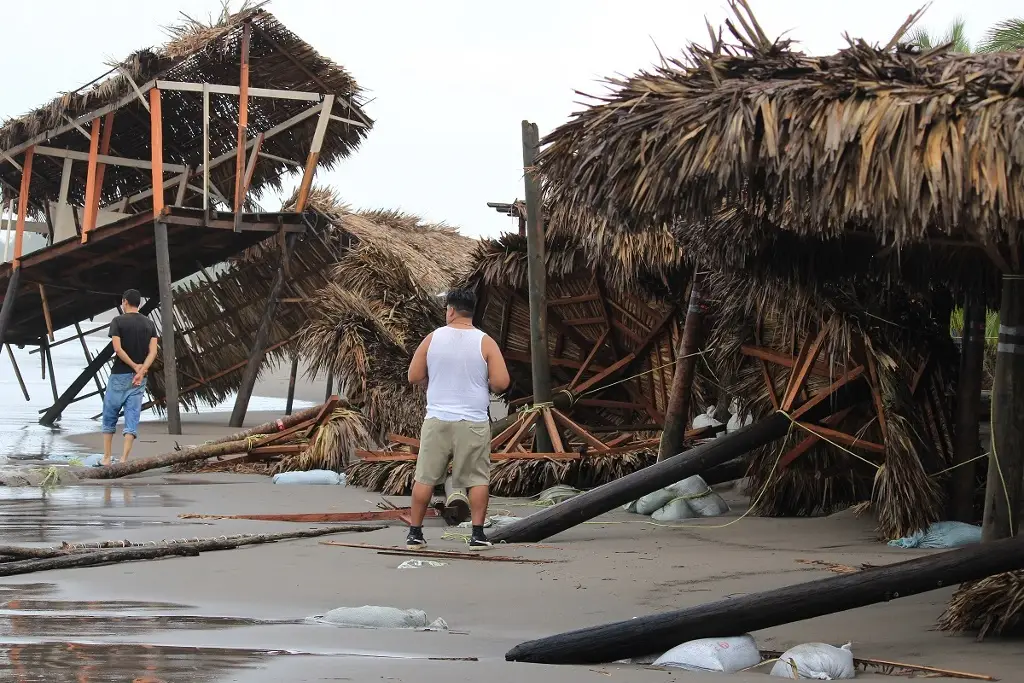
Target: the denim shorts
pixel 121 394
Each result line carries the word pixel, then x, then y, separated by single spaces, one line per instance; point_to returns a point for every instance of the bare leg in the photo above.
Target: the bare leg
pixel 479 497
pixel 421 494
pixel 129 440
pixel 108 446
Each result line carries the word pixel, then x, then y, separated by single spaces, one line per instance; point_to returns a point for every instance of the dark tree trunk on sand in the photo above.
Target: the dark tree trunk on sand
pixel 972 359
pixel 228 445
pixel 1006 457
pixel 586 506
pixel 149 552
pixel 678 411
pixel 735 616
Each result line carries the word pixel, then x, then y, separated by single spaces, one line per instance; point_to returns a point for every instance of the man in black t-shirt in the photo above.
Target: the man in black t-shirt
pixel 134 338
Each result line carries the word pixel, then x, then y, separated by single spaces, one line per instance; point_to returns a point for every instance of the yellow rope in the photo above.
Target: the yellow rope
pixel 995 457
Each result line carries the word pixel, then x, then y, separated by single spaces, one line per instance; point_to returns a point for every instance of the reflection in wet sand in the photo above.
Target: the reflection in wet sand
pixel 54 662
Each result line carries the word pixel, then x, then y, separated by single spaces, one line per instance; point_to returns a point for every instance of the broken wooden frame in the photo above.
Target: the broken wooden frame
pixel 90 218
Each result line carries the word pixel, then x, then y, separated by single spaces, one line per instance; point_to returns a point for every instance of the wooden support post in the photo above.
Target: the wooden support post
pixel 156 138
pixel 586 506
pixel 206 149
pixel 7 235
pixel 314 154
pixel 53 413
pixel 90 181
pixel 49 365
pixel 537 273
pixel 677 413
pixel 256 353
pixel 88 356
pixel 291 383
pixel 46 312
pixel 101 168
pixel 243 114
pixel 330 386
pixel 734 616
pixel 8 306
pixel 17 372
pixel 1006 459
pixel 163 267
pixel 26 177
pixel 968 406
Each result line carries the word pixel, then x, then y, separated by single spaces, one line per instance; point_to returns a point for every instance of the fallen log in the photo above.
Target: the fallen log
pixel 69 558
pixel 222 447
pixel 658 633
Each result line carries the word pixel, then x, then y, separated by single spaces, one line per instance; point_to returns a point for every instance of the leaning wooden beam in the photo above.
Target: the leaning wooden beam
pixel 314 154
pixel 734 616
pixel 26 178
pixel 101 169
pixel 46 312
pixel 677 412
pixel 90 180
pixel 586 506
pixel 105 159
pixel 258 350
pixel 150 552
pixel 218 89
pixel 17 372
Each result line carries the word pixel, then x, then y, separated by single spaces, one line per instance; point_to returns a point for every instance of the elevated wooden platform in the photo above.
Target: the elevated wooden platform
pixel 79 280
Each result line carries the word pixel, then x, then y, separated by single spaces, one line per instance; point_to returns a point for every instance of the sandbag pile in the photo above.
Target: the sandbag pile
pixel 686 499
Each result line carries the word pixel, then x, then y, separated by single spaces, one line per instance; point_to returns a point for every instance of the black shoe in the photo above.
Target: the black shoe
pixel 415 540
pixel 479 542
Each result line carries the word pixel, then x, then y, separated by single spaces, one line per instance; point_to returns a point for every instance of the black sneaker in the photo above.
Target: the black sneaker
pixel 415 540
pixel 479 542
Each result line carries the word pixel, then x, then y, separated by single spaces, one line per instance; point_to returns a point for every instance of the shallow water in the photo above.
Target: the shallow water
pixel 21 435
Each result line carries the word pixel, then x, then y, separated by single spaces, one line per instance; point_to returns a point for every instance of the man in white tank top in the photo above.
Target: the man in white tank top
pixel 461 366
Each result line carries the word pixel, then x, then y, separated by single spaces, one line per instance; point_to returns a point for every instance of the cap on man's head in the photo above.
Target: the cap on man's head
pixel 132 297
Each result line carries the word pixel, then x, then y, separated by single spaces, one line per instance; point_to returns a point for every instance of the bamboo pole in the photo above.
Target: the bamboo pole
pixel 537 274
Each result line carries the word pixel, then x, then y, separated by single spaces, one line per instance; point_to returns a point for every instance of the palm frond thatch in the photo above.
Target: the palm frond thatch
pixel 333 446
pixel 992 606
pixel 897 145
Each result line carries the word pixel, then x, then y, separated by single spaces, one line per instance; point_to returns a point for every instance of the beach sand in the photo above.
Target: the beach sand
pixel 614 569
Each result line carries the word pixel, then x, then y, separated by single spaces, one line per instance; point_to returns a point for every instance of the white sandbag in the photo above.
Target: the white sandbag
pixel 706 419
pixel 816 661
pixel 372 616
pixel 655 501
pixel 723 655
pixel 496 521
pixel 557 494
pixel 702 500
pixel 737 420
pixel 941 535
pixel 673 511
pixel 310 477
pixel 630 507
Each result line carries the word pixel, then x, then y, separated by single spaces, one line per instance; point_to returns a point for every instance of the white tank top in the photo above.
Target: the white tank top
pixel 457 382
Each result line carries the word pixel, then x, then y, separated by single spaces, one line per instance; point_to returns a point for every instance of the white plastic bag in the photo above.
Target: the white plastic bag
pixel 706 419
pixel 655 501
pixel 417 564
pixel 724 655
pixel 735 420
pixel 310 477
pixel 673 511
pixel 816 661
pixel 941 535
pixel 372 616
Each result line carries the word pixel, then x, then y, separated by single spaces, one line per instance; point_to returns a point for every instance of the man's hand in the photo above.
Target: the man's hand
pixel 140 374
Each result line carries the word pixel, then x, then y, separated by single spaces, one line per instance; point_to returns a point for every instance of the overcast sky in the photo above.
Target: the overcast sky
pixel 451 80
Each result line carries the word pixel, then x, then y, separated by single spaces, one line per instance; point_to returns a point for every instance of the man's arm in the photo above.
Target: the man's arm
pixel 116 341
pixel 497 372
pixel 418 366
pixel 150 357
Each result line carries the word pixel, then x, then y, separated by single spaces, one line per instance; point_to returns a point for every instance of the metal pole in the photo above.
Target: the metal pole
pixel 537 274
pixel 163 268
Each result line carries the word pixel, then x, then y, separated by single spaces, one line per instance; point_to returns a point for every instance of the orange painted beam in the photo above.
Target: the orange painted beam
pixel 156 137
pixel 101 168
pixel 26 179
pixel 243 117
pixel 89 219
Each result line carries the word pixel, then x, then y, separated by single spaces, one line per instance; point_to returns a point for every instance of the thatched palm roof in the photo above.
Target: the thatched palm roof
pixel 217 317
pixel 886 142
pixel 196 53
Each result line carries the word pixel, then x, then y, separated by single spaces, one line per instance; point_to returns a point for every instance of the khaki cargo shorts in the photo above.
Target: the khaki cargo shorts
pixel 467 444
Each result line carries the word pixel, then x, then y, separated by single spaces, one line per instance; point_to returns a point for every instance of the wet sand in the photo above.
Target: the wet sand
pixel 237 615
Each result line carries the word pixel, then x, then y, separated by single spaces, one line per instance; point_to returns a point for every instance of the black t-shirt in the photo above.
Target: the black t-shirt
pixel 135 331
